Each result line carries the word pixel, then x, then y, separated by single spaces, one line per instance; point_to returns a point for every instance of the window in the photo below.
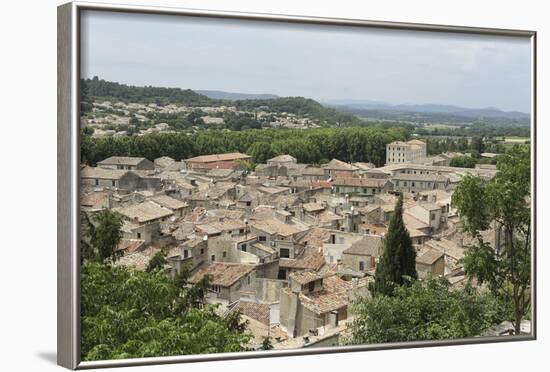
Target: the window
pixel 139 235
pixel 412 184
pixel 113 182
pixel 224 255
pixel 311 286
pixel 96 182
pixel 404 183
pixel 241 231
pixel 361 266
pixel 281 275
pixel 433 216
pixel 185 253
pixel 262 238
pixel 202 250
pixel 213 258
pixel 284 253
pixel 248 204
pixel 243 247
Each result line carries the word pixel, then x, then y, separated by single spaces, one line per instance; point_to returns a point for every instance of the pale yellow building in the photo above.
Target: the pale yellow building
pixel 405 152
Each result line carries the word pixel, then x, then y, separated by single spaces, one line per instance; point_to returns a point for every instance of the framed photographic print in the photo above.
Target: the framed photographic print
pixel 235 185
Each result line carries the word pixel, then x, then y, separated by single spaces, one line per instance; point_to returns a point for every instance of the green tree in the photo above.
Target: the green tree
pixel 477 144
pixel 260 152
pixel 127 313
pixel 157 262
pixel 463 162
pixel 425 310
pixel 398 261
pixel 502 203
pixel 100 235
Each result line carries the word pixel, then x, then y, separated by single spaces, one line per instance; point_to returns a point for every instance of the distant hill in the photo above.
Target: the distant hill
pixel 99 89
pixel 231 96
pixel 453 113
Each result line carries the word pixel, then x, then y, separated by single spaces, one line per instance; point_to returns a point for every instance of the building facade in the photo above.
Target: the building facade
pixel 405 152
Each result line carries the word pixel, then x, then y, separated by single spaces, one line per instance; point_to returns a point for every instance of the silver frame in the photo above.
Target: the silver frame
pixel 68 160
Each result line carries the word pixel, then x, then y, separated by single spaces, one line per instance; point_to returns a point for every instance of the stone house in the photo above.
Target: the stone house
pixel 282 160
pixel 143 220
pixel 414 183
pixel 278 235
pixel 338 167
pixel 361 186
pixel 109 178
pixel 313 174
pixel 193 253
pixel 431 263
pixel 313 303
pixel 337 243
pixel 95 200
pixel 428 213
pixel 362 255
pixel 127 163
pixel 177 206
pixel 215 160
pixel 227 280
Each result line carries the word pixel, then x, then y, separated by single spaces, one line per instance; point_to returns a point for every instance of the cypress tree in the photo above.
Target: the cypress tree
pixel 399 258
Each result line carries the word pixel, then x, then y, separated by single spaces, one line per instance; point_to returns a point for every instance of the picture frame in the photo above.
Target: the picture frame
pixel 68 179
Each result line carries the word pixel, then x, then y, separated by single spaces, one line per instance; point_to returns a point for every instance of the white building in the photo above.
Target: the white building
pixel 405 152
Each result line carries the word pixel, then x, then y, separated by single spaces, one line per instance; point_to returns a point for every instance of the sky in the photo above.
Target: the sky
pixel 323 62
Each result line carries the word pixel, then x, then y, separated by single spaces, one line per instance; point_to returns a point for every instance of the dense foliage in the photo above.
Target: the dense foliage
pixel 127 313
pixel 425 310
pixel 505 201
pixel 463 162
pixel 307 145
pixel 100 235
pixel 398 261
pixel 99 88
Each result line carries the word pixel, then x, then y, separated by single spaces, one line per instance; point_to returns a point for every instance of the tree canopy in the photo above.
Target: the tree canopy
pixel 352 144
pixel 463 162
pixel 503 203
pixel 127 313
pixel 398 261
pixel 100 235
pixel 425 310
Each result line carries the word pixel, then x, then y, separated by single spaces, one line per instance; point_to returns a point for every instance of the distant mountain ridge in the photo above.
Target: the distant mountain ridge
pixel 488 112
pixel 233 96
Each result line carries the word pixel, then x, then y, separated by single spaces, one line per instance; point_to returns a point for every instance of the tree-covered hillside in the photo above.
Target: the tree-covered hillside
pixel 99 89
pixel 299 106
